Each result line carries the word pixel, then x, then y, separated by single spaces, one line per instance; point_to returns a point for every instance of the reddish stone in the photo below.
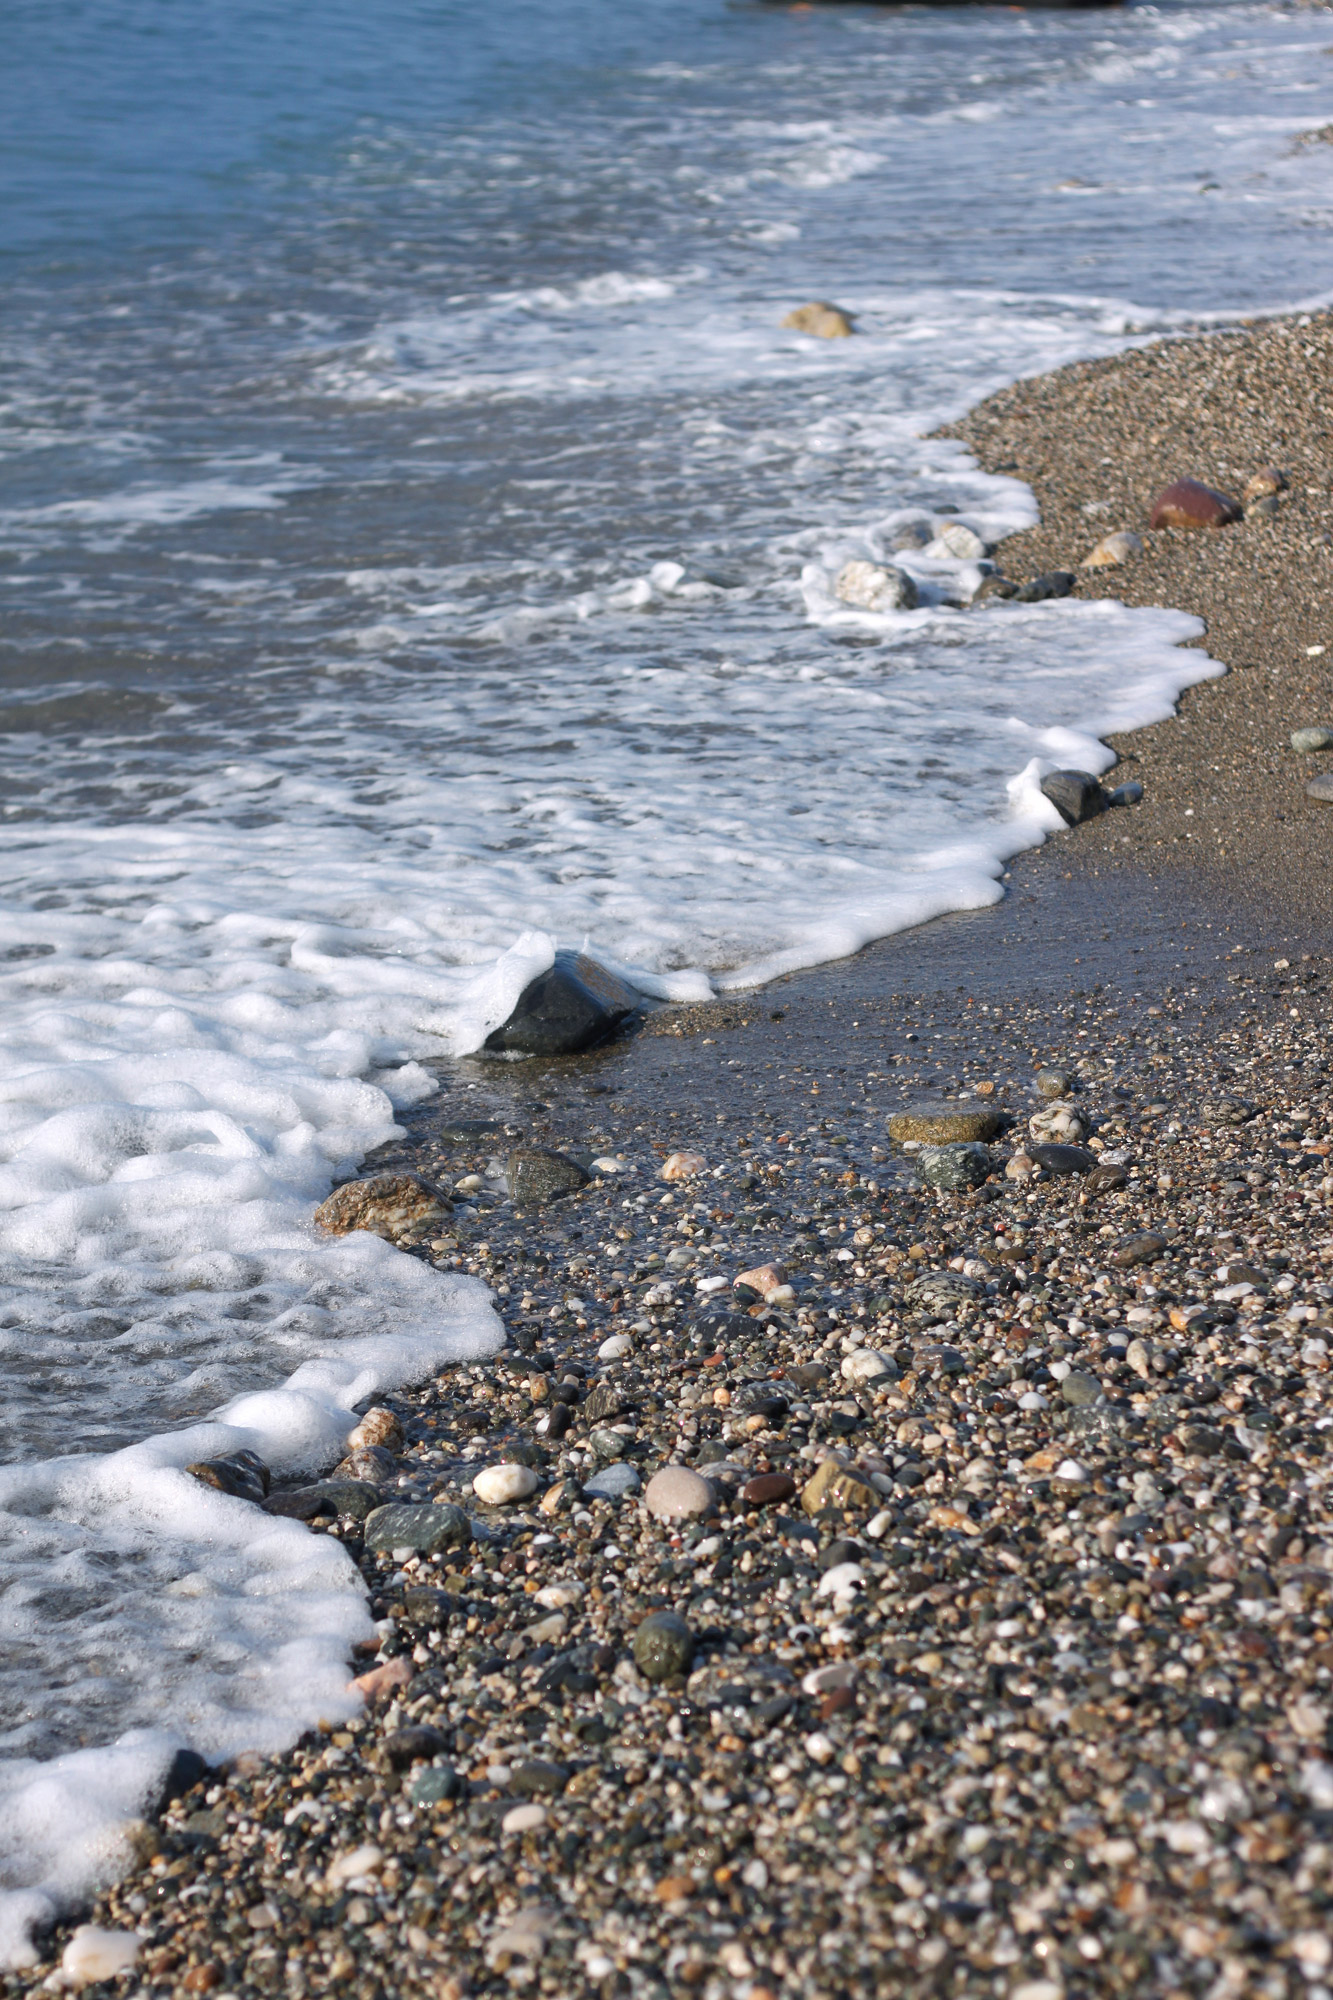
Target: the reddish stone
pixel 768 1489
pixel 1189 504
pixel 835 1701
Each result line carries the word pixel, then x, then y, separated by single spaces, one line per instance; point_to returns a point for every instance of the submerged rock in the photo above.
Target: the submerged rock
pixel 872 588
pixel 537 1175
pixel 573 1006
pixel 1076 795
pixel 326 1500
pixel 1188 503
pixel 402 1208
pixel 824 321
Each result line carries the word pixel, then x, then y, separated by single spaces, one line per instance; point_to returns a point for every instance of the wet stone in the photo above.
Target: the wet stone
pixel 953 1167
pixel 574 1006
pixel 1063 1159
pixel 1143 1248
pixel 944 1124
pixel 538 1175
pixel 663 1647
pixel 1076 795
pixel 326 1500
pixel 242 1474
pixel 402 1208
pixel 427 1529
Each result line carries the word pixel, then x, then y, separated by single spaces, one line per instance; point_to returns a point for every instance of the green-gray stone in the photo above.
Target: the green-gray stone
pixel 538 1175
pixel 536 1776
pixel 1079 1389
pixel 953 1167
pixel 424 1529
pixel 663 1647
pixel 438 1781
pixel 1313 738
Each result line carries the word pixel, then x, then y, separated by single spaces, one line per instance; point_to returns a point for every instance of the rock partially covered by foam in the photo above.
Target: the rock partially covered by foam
pixel 871 588
pixel 572 1006
pixel 402 1208
pixel 242 1474
pixel 93 1955
pixel 1076 795
pixel 824 321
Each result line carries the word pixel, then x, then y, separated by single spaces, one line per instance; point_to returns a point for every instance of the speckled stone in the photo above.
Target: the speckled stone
pixel 663 1647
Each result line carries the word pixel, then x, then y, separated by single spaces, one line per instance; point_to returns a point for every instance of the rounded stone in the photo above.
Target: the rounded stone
pixel 864 1365
pixel 663 1647
pixel 613 1482
pixel 615 1348
pixel 425 1530
pixel 1054 1082
pixel 677 1494
pixel 498 1485
pixel 683 1166
pixel 1313 738
pixel 870 587
pixel 768 1489
pixel 1064 1159
pixel 823 320
pixel 523 1819
pixel 1079 1389
pixel 537 1175
pixel 1321 788
pixel 1188 503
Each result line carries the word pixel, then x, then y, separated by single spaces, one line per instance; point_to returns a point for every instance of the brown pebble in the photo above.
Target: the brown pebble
pixel 768 1489
pixel 825 321
pixel 1188 503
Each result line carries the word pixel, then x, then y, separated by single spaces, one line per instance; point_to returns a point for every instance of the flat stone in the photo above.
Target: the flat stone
pixel 835 1485
pixel 677 1494
pixel 536 1776
pixel 1055 583
pixel 1128 794
pixel 1321 788
pixel 1076 795
pixel 953 1167
pixel 768 1489
pixel 765 1280
pixel 1079 1389
pixel 93 1954
pixel 499 1485
pixel 405 1747
pixel 1141 1248
pixel 425 1529
pixel 402 1208
pixel 1106 1176
pixel 824 321
pixel 612 1482
pixel 604 1401
pixel 1313 738
pixel 538 1175
pixel 962 542
pixel 1113 550
pixel 1188 503
pixel 573 1006
pixel 870 587
pixel 944 1124
pixel 663 1647
pixel 326 1500
pixel 1064 1159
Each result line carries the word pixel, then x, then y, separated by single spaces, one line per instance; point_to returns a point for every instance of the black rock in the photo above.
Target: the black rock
pixel 538 1175
pixel 1063 1159
pixel 1076 795
pixel 413 1746
pixel 606 1400
pixel 574 1006
pixel 1056 583
pixel 186 1770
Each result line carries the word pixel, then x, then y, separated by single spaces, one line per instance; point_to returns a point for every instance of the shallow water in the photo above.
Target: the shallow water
pixel 415 528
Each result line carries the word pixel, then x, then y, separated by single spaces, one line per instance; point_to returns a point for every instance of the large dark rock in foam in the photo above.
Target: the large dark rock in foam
pixel 574 1006
pixel 1076 795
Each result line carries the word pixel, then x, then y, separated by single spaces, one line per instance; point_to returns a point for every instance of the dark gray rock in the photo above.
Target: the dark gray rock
pixel 1063 1159
pixel 536 1776
pixel 425 1529
pixel 574 1006
pixel 1076 795
pixel 406 1747
pixel 1128 794
pixel 1143 1248
pixel 663 1647
pixel 537 1175
pixel 604 1401
pixel 326 1500
pixel 441 1781
pixel 1056 583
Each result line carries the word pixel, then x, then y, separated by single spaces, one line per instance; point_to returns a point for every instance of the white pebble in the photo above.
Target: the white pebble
pixel 607 1164
pixel 352 1866
pixel 843 1580
pixel 707 1285
pixel 616 1348
pixel 879 1525
pixel 499 1484
pixel 93 1954
pixel 864 1365
pixel 1070 1469
pixel 523 1819
pixel 683 1166
pixel 1032 1401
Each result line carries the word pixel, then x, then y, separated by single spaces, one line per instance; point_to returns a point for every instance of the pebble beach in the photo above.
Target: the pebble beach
pixel 894 1546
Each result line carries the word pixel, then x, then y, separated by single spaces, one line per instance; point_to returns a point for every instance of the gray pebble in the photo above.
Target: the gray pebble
pixel 613 1482
pixel 949 1167
pixel 663 1647
pixel 1079 1389
pixel 1314 738
pixel 425 1529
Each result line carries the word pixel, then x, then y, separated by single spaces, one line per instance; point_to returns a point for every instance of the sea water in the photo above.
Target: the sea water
pixel 417 533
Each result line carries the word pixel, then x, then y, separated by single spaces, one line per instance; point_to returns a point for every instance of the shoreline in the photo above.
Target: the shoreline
pixel 1064 1733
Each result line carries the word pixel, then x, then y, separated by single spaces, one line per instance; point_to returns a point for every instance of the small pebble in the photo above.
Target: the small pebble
pixel 498 1485
pixel 677 1494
